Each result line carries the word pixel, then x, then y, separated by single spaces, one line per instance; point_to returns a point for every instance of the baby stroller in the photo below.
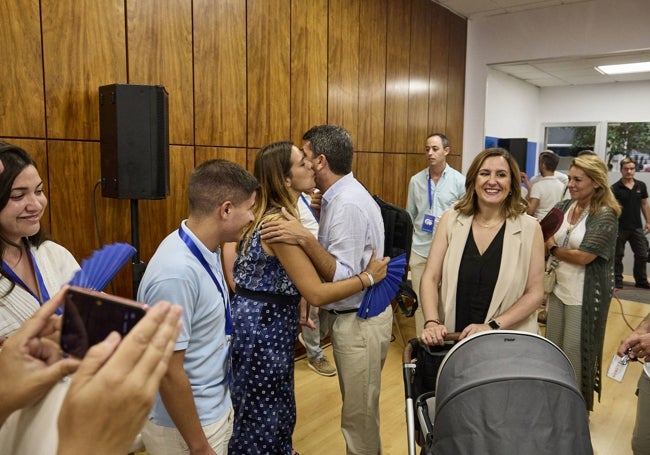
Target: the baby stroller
pixel 501 392
pixel 420 367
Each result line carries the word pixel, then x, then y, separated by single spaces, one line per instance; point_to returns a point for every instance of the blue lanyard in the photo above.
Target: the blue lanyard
pixel 39 279
pixel 195 251
pixel 304 199
pixel 429 192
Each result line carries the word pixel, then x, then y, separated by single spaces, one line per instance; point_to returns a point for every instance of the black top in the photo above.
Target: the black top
pixel 477 278
pixel 630 200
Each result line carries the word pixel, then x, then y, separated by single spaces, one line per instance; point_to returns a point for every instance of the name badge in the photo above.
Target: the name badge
pixel 617 368
pixel 428 222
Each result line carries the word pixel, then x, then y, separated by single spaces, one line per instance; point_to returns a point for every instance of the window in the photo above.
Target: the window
pixel 628 139
pixel 567 141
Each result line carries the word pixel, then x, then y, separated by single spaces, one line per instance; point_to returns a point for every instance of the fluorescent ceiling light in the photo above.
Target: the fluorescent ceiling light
pixel 640 67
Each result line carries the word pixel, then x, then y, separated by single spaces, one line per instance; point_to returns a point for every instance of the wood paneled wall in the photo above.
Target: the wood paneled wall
pixel 240 74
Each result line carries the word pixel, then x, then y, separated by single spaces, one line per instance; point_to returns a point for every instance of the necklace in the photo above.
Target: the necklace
pixel 488 225
pixel 582 215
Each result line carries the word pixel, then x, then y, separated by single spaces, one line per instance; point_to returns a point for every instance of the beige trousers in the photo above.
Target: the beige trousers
pixel 360 347
pixel 159 440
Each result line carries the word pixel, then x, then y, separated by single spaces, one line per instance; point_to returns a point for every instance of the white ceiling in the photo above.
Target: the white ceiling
pixel 549 72
pixel 473 9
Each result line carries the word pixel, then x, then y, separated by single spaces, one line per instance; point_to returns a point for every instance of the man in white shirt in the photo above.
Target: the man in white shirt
pixel 547 189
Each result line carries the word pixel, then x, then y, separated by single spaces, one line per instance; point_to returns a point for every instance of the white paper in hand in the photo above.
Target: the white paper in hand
pixel 617 368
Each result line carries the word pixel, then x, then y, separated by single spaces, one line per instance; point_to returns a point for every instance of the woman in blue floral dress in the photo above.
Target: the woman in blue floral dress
pixel 269 282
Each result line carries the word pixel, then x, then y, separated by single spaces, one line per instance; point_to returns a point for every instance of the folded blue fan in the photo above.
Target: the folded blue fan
pixel 99 269
pixel 379 296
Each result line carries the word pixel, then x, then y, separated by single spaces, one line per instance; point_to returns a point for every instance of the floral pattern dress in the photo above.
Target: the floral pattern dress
pixel 264 336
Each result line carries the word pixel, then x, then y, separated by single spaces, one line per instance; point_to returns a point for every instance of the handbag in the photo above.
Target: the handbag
pixel 549 280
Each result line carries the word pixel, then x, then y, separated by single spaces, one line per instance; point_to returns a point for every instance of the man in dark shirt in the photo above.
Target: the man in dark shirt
pixel 632 194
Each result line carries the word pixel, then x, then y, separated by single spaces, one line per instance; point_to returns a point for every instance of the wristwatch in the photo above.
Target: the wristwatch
pixel 494 325
pixel 552 249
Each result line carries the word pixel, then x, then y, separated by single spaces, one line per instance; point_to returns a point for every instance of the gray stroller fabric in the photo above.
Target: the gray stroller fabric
pixel 507 392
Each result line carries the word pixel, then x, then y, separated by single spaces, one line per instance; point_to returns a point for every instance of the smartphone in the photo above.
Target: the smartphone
pixel 89 316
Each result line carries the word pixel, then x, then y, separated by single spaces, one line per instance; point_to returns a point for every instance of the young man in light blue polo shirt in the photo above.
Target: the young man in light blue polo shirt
pixel 193 410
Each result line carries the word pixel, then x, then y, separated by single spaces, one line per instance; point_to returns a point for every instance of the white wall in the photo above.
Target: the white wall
pixel 619 102
pixel 569 30
pixel 511 108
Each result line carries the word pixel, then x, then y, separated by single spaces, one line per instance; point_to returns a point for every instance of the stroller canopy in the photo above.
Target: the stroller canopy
pixel 504 392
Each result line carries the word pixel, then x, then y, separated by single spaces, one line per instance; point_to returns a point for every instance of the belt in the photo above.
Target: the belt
pixel 351 310
pixel 267 297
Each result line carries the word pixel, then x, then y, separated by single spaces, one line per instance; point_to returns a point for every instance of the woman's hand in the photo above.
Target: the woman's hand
pixel 288 230
pixel 472 329
pixel 377 267
pixel 30 362
pixel 549 243
pixel 434 334
pixel 114 388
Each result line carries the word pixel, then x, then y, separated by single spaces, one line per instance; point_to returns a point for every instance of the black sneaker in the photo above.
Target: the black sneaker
pixel 645 285
pixel 618 285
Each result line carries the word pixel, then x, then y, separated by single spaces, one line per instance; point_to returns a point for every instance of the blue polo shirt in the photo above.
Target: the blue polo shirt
pixel 175 275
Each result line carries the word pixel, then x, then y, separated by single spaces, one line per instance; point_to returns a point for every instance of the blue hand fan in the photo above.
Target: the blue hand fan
pixel 379 296
pixel 99 269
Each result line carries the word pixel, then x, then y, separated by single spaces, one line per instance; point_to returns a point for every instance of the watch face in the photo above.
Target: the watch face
pixel 494 324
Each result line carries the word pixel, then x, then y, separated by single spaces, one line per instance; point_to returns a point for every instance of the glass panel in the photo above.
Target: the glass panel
pixel 568 141
pixel 629 139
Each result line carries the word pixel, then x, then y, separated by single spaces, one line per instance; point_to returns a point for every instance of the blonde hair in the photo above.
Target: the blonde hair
pixel 513 205
pixel 596 169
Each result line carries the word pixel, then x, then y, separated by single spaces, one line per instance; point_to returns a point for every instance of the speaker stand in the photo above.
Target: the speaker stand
pixel 138 267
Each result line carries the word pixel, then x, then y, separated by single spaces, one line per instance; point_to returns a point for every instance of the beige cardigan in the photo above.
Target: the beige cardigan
pixel 513 270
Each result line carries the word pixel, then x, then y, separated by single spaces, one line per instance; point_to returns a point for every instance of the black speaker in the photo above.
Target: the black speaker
pixel 134 139
pixel 518 148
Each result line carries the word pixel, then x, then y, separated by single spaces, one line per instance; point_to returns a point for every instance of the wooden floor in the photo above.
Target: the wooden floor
pixel 318 398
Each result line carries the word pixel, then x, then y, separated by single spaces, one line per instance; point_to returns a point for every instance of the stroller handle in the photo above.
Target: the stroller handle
pixel 414 344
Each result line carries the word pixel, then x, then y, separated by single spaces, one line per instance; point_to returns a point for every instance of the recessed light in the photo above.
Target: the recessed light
pixel 640 67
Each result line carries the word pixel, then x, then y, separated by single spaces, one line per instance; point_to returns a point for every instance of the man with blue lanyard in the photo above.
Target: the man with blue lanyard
pixel 193 410
pixel 431 191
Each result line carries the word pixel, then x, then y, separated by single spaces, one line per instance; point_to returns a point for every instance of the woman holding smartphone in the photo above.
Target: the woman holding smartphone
pixel 33 268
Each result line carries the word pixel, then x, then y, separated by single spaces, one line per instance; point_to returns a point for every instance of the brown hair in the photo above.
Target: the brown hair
pixel 513 205
pixel 272 166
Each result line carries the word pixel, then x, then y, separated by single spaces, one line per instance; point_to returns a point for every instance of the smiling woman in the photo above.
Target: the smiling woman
pixel 583 253
pixel 33 268
pixel 486 262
